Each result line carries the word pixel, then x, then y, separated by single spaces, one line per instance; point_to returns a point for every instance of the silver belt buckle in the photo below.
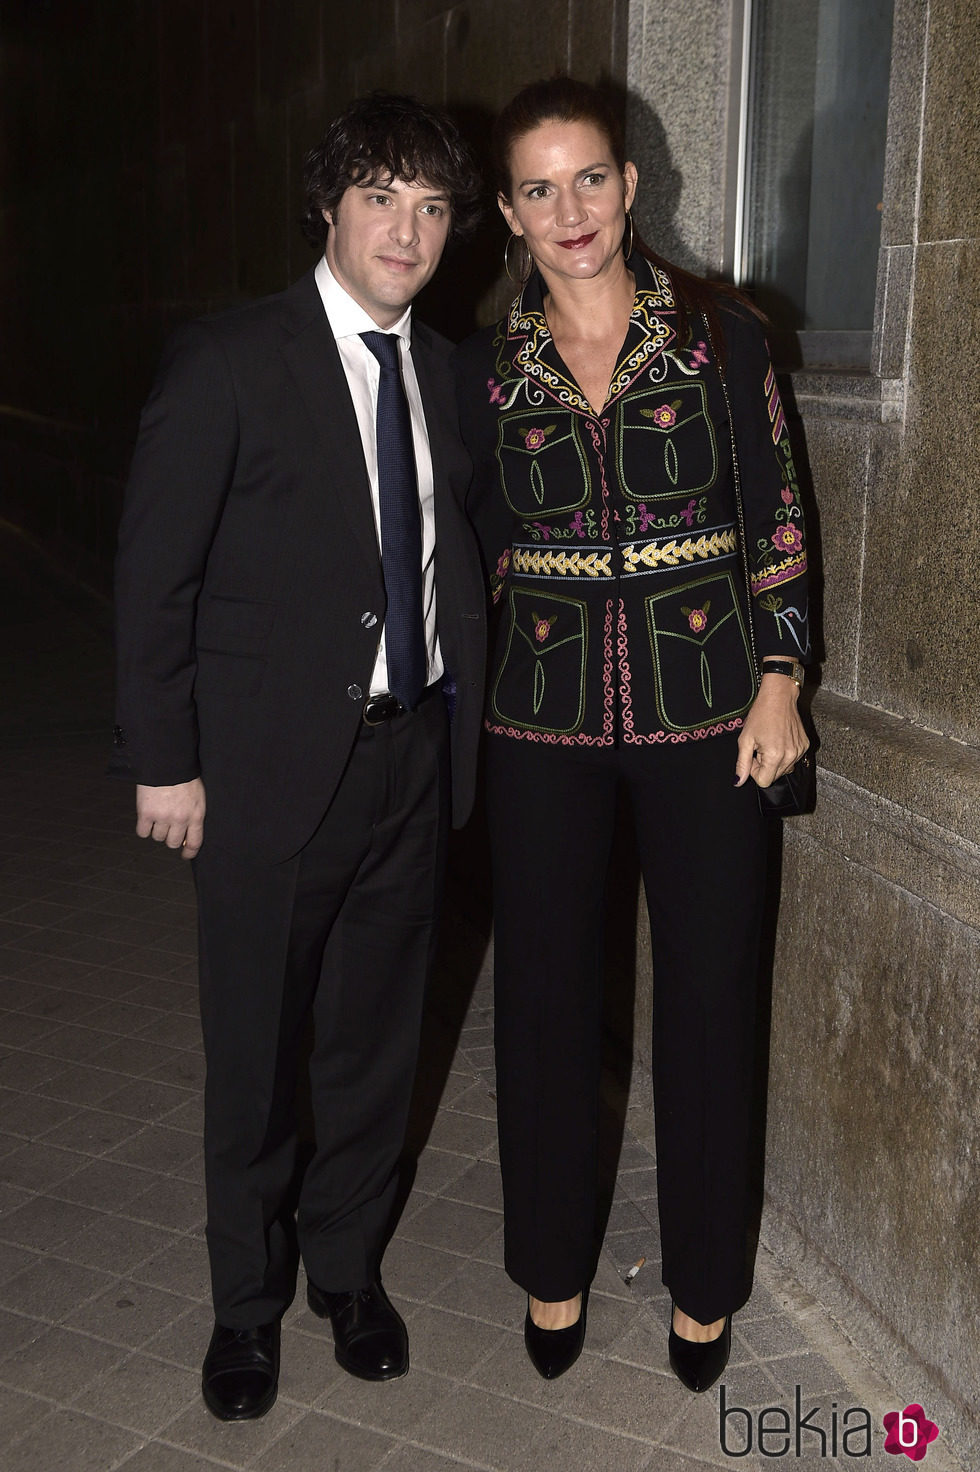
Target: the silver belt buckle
pixel 380 708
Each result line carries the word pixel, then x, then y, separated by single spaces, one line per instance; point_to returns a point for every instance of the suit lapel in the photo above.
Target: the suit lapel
pixel 314 363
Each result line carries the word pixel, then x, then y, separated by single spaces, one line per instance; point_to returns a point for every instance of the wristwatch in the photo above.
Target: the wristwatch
pixel 771 665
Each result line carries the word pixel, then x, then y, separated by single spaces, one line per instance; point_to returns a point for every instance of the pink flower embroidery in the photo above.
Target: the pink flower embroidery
pixel 503 563
pixel 497 395
pixel 909 1431
pixel 787 539
pixel 699 355
pixel 542 626
pixel 577 525
pixel 665 416
pixel 698 620
pixel 787 496
pixel 534 439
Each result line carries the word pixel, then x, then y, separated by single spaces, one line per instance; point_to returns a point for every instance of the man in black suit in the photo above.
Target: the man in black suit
pixel 298 597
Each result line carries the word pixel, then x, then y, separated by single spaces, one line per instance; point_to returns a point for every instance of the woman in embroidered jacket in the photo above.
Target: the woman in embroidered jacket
pixel 598 420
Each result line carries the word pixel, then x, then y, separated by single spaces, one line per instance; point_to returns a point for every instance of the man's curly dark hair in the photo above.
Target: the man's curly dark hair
pixel 384 137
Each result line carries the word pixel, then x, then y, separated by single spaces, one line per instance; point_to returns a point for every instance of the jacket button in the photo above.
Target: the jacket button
pixel 355 692
pixel 368 620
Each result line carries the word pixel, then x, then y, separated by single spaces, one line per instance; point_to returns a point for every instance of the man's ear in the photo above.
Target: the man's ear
pixel 328 216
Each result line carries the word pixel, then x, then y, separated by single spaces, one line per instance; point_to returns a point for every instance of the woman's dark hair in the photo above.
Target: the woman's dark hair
pixel 384 137
pixel 562 99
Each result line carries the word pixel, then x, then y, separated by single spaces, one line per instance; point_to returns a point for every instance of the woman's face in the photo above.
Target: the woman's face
pixel 568 199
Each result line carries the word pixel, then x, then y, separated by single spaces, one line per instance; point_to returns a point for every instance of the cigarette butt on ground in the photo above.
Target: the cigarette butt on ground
pixel 634 1270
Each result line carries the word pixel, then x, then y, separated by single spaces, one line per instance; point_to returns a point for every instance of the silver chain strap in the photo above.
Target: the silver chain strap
pixel 738 506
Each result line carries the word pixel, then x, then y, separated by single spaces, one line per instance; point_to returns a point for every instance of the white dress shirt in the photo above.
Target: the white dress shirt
pixel 347 321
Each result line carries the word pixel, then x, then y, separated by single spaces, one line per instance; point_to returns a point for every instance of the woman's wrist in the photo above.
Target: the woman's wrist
pixel 785 666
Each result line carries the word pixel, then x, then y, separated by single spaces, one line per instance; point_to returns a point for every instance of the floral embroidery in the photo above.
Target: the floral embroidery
pixel 697 618
pixel 787 495
pixel 787 539
pixel 535 438
pixel 665 416
pixel 497 395
pixel 699 355
pixel 542 626
pixel 503 563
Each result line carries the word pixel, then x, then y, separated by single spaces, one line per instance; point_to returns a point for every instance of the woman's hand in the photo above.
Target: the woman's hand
pixel 772 739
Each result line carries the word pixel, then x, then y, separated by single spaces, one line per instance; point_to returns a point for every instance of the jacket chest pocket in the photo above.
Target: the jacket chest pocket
pixel 665 442
pixel 543 468
pixel 702 664
pixel 540 683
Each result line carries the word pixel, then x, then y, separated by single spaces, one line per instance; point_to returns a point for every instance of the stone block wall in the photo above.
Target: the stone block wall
pixel 153 172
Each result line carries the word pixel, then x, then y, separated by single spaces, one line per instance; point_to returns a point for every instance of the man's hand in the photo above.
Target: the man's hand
pixel 172 815
pixel 772 739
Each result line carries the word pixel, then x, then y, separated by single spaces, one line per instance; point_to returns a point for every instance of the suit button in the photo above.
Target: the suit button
pixel 355 692
pixel 368 620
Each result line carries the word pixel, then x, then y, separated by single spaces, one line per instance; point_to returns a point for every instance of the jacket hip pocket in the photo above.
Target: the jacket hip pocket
pixel 702 662
pixel 540 683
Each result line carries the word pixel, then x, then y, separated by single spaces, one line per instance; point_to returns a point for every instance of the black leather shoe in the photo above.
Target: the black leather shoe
pixel 553 1351
pixel 370 1339
pixel 240 1377
pixel 698 1366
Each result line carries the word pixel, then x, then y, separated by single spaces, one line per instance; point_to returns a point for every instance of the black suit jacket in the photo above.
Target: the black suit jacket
pixel 249 590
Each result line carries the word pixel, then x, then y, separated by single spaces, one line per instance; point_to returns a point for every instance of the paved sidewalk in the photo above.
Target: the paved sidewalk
pixel 104 1311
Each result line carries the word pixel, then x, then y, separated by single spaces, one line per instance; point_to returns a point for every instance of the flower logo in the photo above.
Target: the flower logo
pixel 503 563
pixel 542 626
pixel 665 416
pixel 697 618
pixel 787 539
pixel 787 496
pixel 909 1431
pixel 535 438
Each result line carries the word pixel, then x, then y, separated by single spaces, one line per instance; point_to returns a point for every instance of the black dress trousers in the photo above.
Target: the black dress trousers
pixel 345 929
pixel 702 846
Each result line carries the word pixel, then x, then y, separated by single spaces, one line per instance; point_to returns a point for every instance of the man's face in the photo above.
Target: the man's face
pixel 385 242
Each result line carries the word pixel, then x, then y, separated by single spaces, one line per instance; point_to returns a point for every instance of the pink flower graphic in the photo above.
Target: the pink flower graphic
pixel 909 1431
pixel 534 439
pixel 503 563
pixel 697 618
pixel 699 355
pixel 542 626
pixel 787 539
pixel 665 416
pixel 497 395
pixel 787 496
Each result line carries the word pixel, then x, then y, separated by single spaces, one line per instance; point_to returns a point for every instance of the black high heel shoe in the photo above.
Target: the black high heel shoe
pixel 553 1351
pixel 698 1366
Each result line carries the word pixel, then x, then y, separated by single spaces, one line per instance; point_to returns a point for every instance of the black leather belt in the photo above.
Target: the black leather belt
pixel 380 708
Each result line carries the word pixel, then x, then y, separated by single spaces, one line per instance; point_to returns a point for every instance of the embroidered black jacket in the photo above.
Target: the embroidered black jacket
pixel 611 540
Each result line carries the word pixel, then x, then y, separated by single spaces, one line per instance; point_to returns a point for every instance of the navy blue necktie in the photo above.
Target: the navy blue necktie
pixel 401 527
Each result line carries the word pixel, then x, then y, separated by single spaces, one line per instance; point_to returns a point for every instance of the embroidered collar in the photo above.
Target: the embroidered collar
pixel 648 334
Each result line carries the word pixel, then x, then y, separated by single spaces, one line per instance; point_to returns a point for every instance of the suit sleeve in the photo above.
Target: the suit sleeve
pixel 774 531
pixel 181 472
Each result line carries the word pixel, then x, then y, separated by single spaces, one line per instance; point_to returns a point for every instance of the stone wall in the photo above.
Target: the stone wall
pixel 872 1189
pixel 152 172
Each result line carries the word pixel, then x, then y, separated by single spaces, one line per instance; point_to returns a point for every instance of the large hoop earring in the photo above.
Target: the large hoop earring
pixel 521 279
pixel 628 249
